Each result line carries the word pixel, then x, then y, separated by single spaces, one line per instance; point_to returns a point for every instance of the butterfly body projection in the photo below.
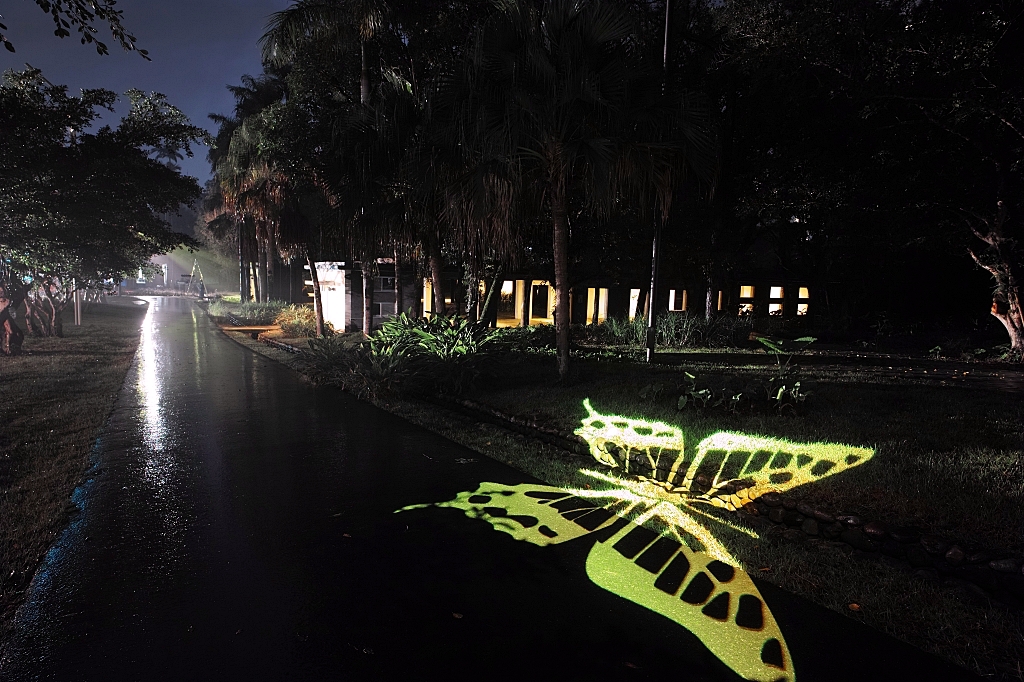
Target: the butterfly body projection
pixel 701 589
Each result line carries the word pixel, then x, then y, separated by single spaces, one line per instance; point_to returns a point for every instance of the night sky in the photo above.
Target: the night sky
pixel 197 47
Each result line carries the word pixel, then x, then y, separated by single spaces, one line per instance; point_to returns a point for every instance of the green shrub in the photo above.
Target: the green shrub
pixel 406 355
pixel 255 312
pixel 221 308
pixel 299 321
pixel 524 339
pixel 624 331
pixel 433 354
pixel 685 330
pixel 333 359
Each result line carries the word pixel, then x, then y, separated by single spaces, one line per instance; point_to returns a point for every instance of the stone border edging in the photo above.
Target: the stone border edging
pixel 280 345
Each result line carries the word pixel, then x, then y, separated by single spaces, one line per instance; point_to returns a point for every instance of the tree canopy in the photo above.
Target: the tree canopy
pixel 863 147
pixel 83 16
pixel 81 202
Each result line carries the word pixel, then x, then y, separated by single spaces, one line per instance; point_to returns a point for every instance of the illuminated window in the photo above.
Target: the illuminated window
pixel 774 308
pixel 676 300
pixel 801 309
pixel 805 292
pixel 507 287
pixel 746 308
pixel 747 291
pixel 776 292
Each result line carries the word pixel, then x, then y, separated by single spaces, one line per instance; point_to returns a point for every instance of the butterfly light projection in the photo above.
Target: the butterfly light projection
pixel 683 572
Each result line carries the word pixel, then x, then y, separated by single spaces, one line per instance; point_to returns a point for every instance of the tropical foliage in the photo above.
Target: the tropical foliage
pixel 407 355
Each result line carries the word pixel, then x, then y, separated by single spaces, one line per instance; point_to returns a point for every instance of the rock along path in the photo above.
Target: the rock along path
pixel 237 524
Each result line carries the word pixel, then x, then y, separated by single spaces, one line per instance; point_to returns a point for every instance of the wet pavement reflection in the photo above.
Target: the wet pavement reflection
pixel 238 523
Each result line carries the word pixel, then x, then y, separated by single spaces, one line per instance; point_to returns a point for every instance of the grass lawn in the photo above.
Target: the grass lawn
pixel 56 397
pixel 947 458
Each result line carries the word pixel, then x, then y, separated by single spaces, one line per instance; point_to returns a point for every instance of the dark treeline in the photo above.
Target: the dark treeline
pixel 871 148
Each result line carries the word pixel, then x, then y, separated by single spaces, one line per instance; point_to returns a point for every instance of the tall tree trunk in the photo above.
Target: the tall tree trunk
pixel 44 305
pixel 709 299
pixel 254 274
pixel 490 308
pixel 527 302
pixel 561 252
pixel 11 336
pixel 368 287
pixel 243 275
pixel 398 287
pixel 1002 260
pixel 436 273
pixel 472 300
pixel 318 305
pixel 364 75
pixel 1006 300
pixel 264 286
pixel 261 270
pixel 1011 315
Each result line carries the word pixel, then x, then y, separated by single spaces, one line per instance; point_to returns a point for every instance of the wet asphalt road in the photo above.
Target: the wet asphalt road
pixel 238 524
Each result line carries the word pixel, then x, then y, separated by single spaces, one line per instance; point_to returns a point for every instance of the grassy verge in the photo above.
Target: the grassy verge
pixel 945 458
pixel 55 399
pixel 948 459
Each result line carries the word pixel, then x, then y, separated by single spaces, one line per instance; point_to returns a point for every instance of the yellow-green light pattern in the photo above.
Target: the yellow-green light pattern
pixel 701 589
pixel 714 600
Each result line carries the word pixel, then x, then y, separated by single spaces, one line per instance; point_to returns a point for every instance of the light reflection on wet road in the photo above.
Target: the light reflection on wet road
pixel 238 523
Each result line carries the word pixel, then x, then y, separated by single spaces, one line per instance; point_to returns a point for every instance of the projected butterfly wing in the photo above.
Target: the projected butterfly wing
pixel 766 465
pixel 538 514
pixel 715 601
pixel 624 443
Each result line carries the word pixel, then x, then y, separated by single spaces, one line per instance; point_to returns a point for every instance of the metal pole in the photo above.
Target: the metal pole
pixel 651 331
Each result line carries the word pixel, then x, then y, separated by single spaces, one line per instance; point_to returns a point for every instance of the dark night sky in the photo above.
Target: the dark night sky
pixel 197 47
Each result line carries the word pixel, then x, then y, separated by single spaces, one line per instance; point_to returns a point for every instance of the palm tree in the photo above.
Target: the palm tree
pixel 261 187
pixel 321 34
pixel 241 180
pixel 333 26
pixel 548 104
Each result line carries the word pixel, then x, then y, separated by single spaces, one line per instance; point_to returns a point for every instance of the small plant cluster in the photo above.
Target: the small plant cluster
pixel 624 331
pixel 406 355
pixel 299 321
pixel 524 339
pixel 962 349
pixel 251 312
pixel 683 330
pixel 674 330
pixel 782 392
pixel 220 308
pixel 255 312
